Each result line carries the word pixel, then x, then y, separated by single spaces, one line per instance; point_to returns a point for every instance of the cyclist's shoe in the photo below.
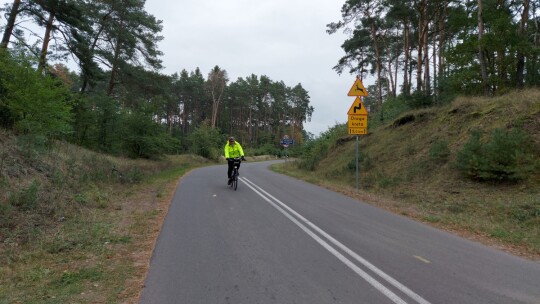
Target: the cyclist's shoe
pixel 230 181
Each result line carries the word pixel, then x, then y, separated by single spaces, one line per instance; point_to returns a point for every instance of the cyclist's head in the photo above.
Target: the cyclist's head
pixel 231 140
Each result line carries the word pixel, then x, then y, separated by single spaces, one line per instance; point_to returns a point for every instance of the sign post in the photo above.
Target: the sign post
pixel 358 116
pixel 285 142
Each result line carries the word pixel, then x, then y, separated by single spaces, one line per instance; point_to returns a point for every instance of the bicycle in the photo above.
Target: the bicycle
pixel 234 174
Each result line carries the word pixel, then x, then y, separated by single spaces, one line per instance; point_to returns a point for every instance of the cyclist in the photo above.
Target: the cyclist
pixel 232 150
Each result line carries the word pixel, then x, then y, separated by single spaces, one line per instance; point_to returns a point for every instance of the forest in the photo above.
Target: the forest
pixel 421 53
pixel 118 102
pixel 426 53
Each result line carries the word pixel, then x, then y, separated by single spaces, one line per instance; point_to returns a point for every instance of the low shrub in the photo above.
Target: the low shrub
pixel 439 151
pixel 504 156
pixel 26 199
pixel 316 150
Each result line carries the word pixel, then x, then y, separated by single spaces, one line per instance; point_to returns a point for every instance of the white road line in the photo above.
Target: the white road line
pixel 422 259
pixel 268 197
pixel 388 293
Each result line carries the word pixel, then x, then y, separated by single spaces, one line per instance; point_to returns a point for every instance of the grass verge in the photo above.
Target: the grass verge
pixel 84 229
pixel 506 219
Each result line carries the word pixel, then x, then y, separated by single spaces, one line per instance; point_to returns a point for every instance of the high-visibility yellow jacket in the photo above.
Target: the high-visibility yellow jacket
pixel 232 151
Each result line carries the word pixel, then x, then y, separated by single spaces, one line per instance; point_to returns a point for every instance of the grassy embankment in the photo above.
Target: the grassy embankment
pixel 408 166
pixel 77 226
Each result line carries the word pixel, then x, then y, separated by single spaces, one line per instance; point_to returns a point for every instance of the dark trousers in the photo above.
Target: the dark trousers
pixel 231 167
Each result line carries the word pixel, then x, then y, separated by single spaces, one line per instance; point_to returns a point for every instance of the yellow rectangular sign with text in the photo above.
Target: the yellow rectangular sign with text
pixel 358 121
pixel 357 131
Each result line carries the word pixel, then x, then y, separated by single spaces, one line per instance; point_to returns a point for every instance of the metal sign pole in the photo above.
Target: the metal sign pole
pixel 357 162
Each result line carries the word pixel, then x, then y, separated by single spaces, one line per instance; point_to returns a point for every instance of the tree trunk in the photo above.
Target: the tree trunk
pixel 184 117
pixel 396 73
pixel 410 70
pixel 257 126
pixel 250 127
pixel 117 50
pixel 502 68
pixel 112 81
pixel 421 41
pixel 215 106
pixel 442 38
pixel 45 46
pixel 391 79
pixel 435 71
pixel 93 47
pixel 10 24
pixel 427 79
pixel 533 59
pixel 378 69
pixel 521 33
pixel 481 49
pixel 406 50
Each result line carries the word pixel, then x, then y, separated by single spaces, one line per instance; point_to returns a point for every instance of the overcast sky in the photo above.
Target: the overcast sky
pixel 285 40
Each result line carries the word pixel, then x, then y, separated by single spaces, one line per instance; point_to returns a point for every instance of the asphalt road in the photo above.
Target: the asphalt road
pixel 280 240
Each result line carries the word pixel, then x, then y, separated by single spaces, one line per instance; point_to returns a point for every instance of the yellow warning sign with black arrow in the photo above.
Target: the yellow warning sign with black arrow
pixel 358 89
pixel 357 108
pixel 358 117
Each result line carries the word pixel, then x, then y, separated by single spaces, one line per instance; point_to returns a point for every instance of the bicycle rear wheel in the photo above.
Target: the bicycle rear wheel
pixel 235 182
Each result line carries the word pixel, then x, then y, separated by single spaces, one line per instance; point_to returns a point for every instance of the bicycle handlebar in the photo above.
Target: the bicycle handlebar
pixel 237 158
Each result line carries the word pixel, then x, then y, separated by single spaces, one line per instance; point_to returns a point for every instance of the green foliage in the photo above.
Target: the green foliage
pixel 315 151
pixel 266 149
pixel 147 114
pixel 31 145
pixel 439 151
pixel 386 181
pixel 365 162
pixel 80 233
pixel 30 103
pixel 465 81
pixel 206 142
pixel 100 123
pixel 419 100
pixel 86 274
pixel 526 212
pixel 26 199
pixel 135 175
pixel 505 156
pixel 97 169
pixel 143 138
pixel 393 107
pixel 86 111
pixel 6 216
